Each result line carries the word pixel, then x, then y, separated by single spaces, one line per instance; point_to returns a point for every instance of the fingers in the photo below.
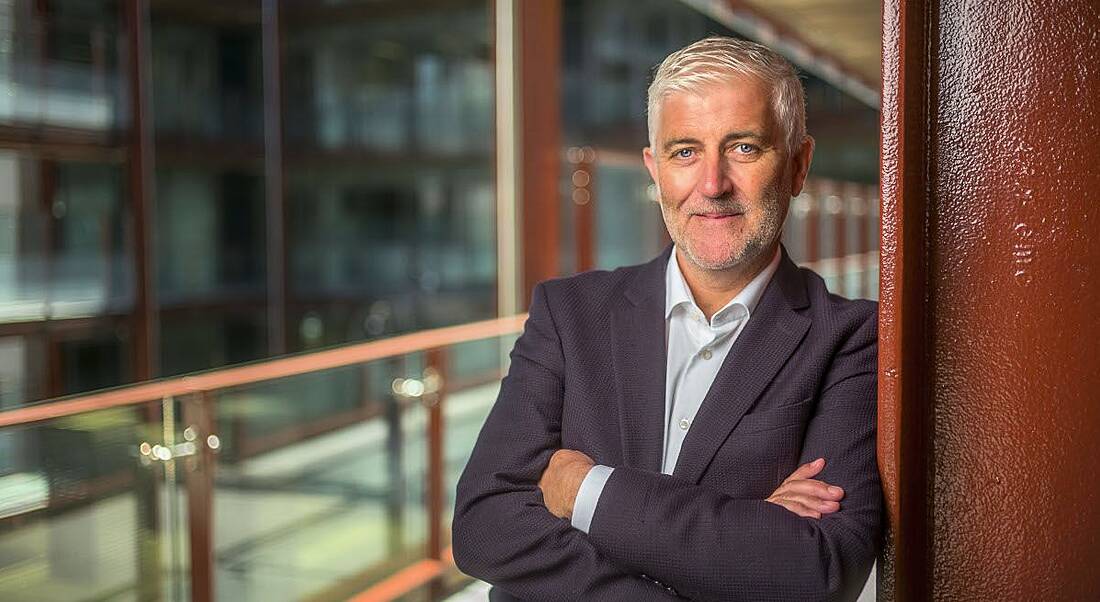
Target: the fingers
pixel 807 470
pixel 815 495
pixel 797 507
pixel 806 496
pixel 814 503
pixel 813 488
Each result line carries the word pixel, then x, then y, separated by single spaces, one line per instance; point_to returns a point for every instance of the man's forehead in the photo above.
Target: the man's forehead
pixel 742 92
pixel 721 108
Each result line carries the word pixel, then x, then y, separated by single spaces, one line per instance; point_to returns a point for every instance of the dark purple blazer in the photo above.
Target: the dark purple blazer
pixel 588 373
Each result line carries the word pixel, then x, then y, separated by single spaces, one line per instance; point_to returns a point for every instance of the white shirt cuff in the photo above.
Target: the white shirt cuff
pixel 589 495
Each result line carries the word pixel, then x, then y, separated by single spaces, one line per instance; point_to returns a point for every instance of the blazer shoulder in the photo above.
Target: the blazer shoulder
pixel 852 313
pixel 593 288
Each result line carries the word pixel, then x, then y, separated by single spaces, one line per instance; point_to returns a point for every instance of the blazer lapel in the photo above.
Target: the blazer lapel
pixel 638 344
pixel 773 333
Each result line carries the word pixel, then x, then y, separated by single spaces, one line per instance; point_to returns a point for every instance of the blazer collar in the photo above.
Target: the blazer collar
pixel 639 356
pixel 649 280
pixel 638 360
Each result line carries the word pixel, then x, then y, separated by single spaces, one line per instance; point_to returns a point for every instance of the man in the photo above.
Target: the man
pixel 660 425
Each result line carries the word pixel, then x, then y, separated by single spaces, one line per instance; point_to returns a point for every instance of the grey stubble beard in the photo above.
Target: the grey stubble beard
pixel 758 242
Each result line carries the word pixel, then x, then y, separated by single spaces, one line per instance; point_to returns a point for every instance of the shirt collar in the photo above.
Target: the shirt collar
pixel 677 291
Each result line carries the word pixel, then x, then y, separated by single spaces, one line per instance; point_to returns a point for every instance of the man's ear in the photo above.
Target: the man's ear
pixel 650 163
pixel 800 163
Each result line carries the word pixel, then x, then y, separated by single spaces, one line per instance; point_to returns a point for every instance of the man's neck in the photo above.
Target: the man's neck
pixel 713 289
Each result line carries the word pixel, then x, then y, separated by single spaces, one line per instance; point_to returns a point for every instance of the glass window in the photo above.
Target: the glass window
pixel 390 187
pixel 383 178
pixel 59 64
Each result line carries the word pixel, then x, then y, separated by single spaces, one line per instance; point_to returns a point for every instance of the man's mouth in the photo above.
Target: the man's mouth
pixel 717 216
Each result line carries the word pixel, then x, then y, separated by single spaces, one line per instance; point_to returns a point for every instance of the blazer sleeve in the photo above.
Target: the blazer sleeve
pixel 502 532
pixel 709 546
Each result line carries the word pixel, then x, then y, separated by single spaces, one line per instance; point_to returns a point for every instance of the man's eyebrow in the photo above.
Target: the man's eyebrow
pixel 753 135
pixel 678 141
pixel 749 134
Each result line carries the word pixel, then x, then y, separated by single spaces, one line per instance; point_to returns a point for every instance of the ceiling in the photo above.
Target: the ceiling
pixel 849 31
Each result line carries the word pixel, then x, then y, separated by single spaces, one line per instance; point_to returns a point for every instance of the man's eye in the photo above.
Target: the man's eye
pixel 684 153
pixel 745 148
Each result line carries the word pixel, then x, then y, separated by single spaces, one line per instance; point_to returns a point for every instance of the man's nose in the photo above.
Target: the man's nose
pixel 715 181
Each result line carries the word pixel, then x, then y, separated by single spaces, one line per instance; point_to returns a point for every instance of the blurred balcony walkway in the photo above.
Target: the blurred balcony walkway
pixel 290 523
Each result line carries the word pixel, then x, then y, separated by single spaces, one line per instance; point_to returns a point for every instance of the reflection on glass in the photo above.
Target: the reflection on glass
pixel 322 478
pixel 390 190
pixel 415 243
pixel 321 484
pixel 210 236
pixel 207 75
pixel 406 82
pixel 59 64
pixel 628 223
pixel 194 339
pixel 210 233
pixel 79 514
pixel 384 175
pixel 62 239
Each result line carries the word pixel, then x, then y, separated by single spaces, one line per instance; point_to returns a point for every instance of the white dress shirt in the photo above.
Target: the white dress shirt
pixel 696 349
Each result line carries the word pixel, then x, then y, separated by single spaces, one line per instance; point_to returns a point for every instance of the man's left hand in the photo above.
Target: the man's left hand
pixel 562 479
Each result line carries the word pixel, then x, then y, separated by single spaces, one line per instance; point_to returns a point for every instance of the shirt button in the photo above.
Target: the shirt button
pixel 706 354
pixel 684 424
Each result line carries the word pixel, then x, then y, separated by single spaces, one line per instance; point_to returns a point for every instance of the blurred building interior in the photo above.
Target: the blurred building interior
pixel 290 240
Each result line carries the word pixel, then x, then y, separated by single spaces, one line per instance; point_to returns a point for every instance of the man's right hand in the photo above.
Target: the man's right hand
pixel 805 496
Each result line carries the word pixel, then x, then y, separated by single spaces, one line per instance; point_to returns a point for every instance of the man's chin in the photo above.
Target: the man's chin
pixel 715 260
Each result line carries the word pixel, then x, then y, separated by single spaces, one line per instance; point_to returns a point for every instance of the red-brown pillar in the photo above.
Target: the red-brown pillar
pixel 540 127
pixel 988 421
pixel 583 198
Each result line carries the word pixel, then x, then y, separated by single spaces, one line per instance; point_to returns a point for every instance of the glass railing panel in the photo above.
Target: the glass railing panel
pixel 313 477
pixel 324 481
pixel 311 487
pixel 84 515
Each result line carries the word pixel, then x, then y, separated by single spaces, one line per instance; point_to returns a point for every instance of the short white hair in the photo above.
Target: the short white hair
pixel 718 59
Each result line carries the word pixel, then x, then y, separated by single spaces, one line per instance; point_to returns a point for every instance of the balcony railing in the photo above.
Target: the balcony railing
pixel 320 476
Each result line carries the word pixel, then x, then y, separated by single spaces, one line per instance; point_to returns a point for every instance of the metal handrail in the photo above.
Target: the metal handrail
pixel 265 370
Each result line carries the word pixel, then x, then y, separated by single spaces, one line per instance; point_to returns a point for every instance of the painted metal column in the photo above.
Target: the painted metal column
pixel 989 421
pixel 276 266
pixel 198 414
pixel 436 484
pixel 540 131
pixel 140 171
pixel 141 188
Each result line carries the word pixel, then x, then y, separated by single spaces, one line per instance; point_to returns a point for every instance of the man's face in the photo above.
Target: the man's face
pixel 723 175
